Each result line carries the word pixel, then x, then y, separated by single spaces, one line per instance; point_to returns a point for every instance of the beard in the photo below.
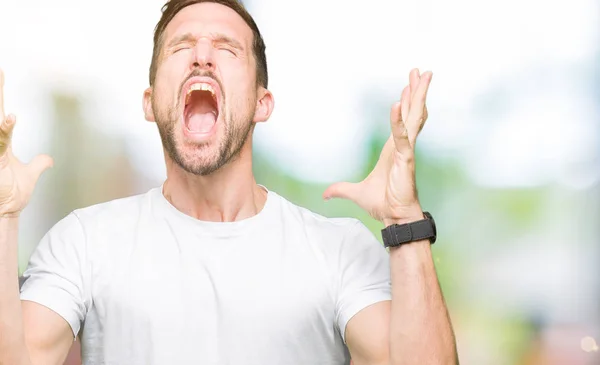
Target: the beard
pixel 198 159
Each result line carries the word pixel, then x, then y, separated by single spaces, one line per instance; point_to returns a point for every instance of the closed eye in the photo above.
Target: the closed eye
pixel 227 49
pixel 180 48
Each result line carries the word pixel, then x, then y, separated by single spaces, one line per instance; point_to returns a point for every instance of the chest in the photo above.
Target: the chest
pixel 210 288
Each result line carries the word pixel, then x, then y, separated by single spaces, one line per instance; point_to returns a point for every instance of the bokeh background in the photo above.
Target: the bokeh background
pixel 509 162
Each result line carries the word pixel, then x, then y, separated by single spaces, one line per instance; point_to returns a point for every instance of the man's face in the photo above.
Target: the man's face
pixel 205 96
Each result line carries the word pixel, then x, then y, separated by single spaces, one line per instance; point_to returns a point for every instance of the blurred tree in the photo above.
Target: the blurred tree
pixel 90 167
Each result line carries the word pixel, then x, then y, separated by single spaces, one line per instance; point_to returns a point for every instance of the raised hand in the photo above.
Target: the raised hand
pixel 389 192
pixel 17 180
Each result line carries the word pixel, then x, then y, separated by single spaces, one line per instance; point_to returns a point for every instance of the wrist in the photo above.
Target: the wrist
pixel 417 249
pixel 409 230
pixel 9 216
pixel 409 215
pixel 9 223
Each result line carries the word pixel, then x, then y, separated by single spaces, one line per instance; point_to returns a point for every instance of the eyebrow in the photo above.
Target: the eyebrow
pixel 222 38
pixel 216 37
pixel 187 37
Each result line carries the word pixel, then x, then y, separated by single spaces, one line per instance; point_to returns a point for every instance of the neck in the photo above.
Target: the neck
pixel 229 194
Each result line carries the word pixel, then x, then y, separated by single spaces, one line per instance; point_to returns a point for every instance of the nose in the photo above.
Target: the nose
pixel 204 56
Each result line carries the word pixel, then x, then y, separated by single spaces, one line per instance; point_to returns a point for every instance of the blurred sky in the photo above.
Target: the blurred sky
pixel 511 94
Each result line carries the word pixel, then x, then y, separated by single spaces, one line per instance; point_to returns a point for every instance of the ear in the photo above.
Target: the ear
pixel 264 105
pixel 148 113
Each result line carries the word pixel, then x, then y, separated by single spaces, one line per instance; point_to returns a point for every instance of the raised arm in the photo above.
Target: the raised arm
pixel 30 333
pixel 415 327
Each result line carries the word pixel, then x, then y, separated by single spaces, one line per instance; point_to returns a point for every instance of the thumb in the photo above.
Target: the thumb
pixel 39 164
pixel 343 190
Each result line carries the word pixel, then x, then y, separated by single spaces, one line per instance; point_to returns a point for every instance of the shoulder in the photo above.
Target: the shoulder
pixel 114 211
pixel 107 222
pixel 313 221
pixel 328 231
pixel 113 215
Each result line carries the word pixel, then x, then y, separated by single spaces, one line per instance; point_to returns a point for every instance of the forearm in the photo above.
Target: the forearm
pixel 420 330
pixel 13 350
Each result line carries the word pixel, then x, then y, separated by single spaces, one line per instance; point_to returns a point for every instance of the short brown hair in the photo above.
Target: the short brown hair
pixel 172 7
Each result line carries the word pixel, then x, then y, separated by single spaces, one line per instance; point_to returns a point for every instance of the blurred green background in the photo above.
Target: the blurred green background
pixel 508 163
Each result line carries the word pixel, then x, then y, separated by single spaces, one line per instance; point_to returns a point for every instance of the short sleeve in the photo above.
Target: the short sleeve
pixel 364 275
pixel 55 274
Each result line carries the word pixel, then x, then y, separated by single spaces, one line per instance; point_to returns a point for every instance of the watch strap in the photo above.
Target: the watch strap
pixel 398 234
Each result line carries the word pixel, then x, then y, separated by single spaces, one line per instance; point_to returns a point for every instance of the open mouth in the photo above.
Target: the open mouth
pixel 201 108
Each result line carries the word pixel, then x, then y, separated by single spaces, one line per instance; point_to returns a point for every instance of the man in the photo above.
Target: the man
pixel 212 268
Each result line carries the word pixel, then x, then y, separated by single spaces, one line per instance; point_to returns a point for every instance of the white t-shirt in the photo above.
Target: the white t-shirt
pixel 144 284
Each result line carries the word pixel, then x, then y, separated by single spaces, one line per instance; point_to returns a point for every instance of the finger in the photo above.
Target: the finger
pixel 425 116
pixel 39 164
pixel 343 190
pixel 399 131
pixel 405 103
pixel 414 78
pixel 416 115
pixel 2 116
pixel 6 129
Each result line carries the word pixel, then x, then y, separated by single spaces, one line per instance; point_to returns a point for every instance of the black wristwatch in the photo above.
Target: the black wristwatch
pixel 399 234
